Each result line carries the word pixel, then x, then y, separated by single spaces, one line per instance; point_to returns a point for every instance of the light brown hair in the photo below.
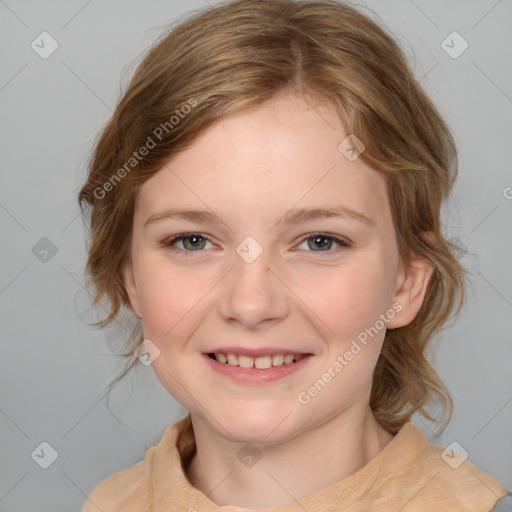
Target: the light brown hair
pixel 236 55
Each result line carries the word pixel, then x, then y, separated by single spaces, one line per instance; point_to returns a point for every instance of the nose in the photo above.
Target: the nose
pixel 253 294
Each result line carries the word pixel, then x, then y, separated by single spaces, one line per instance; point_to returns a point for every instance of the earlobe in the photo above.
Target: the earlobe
pixel 412 288
pixel 129 284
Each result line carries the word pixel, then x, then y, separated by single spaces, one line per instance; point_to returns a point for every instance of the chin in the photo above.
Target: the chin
pixel 258 425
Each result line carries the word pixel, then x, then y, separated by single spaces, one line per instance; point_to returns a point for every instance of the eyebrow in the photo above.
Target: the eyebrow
pixel 294 216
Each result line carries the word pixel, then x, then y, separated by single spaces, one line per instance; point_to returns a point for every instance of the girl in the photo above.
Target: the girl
pixel 266 201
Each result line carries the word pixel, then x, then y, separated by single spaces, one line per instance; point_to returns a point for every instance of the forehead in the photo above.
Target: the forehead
pixel 282 153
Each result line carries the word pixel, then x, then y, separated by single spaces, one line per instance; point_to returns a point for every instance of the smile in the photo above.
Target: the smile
pixel 259 362
pixel 256 370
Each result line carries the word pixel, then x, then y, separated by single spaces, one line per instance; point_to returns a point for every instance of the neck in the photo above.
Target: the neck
pixel 288 472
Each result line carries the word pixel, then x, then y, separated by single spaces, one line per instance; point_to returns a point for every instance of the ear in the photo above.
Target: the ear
pixel 129 284
pixel 411 288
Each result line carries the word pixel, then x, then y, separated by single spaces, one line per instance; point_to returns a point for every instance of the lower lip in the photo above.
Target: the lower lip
pixel 255 375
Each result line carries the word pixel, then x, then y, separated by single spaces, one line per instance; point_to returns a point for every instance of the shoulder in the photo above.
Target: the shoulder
pixel 444 478
pixel 131 490
pixel 504 504
pixel 126 490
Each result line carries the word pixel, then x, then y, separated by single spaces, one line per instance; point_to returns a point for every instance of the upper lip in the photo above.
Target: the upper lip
pixel 255 352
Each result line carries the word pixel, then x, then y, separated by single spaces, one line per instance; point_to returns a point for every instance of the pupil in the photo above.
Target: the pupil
pixel 191 240
pixel 320 245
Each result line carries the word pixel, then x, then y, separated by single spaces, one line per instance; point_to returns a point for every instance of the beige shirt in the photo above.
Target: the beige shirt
pixel 408 475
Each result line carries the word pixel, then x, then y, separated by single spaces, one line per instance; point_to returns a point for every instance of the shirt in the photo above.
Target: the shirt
pixel 409 475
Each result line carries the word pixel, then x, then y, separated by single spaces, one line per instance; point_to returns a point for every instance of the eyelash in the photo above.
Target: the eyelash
pixel 343 242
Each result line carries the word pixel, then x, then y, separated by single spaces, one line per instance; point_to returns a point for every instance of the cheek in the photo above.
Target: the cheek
pixel 346 300
pixel 174 303
pixel 172 300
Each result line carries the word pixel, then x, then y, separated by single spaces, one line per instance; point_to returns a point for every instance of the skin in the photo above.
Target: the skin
pixel 250 169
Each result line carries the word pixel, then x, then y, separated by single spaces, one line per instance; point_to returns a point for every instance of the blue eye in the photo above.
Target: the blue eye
pixel 316 242
pixel 191 241
pixel 324 242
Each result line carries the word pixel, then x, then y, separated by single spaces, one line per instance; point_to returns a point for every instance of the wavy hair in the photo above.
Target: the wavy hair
pixel 235 55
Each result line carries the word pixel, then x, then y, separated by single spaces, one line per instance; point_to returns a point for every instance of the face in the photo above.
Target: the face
pixel 263 272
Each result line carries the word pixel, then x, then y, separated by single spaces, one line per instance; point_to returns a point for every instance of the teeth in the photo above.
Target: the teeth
pixel 263 362
pixel 245 361
pixel 260 362
pixel 232 360
pixel 277 360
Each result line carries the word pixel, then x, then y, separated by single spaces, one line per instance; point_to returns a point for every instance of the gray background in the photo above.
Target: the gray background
pixel 54 367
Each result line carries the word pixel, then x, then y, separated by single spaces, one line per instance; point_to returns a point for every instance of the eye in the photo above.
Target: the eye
pixel 323 242
pixel 191 242
pixel 316 242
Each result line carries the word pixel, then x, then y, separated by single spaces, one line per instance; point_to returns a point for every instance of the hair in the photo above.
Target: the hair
pixel 236 55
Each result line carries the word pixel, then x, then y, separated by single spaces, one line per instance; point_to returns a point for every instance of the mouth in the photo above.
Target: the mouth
pixel 263 362
pixel 258 370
